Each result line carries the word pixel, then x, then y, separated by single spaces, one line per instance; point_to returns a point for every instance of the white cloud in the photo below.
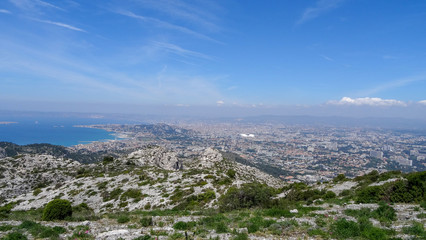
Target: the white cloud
pixel 367 101
pixel 220 103
pixel 168 25
pixel 34 5
pixel 172 48
pixel 422 102
pixel 5 11
pixel 201 13
pixel 393 84
pixel 327 58
pixel 321 7
pixel 389 57
pixel 64 25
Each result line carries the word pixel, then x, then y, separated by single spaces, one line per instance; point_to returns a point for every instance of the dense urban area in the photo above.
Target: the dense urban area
pixel 291 152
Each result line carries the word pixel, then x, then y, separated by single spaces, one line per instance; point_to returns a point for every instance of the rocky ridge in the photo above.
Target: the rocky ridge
pixel 149 176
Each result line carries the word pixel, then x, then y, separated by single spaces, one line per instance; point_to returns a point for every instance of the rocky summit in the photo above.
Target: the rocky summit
pixel 157 193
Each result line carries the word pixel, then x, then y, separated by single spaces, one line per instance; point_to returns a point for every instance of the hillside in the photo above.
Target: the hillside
pixel 155 192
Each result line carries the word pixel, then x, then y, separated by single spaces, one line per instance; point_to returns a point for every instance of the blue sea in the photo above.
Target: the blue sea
pixel 53 130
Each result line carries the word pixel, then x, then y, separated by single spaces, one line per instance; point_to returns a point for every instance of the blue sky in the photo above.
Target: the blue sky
pixel 79 55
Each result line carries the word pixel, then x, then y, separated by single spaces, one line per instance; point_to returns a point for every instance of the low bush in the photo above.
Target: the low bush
pixel 277 212
pixel 249 195
pixel 57 209
pixel 415 229
pixel 132 193
pixel 241 236
pixel 123 219
pixel 184 225
pixel 5 210
pixel 231 173
pixel 82 232
pixel 39 231
pixel 384 213
pixel 146 221
pixel 5 228
pixel 144 237
pixel 343 229
pixel 15 236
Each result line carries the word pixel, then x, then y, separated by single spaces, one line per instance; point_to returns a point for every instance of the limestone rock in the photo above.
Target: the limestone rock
pixel 156 156
pixel 209 157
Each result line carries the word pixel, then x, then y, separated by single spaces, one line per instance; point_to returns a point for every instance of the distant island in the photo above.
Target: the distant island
pixel 5 123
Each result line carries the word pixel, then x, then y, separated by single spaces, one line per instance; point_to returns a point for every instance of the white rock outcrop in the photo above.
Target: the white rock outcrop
pixel 155 156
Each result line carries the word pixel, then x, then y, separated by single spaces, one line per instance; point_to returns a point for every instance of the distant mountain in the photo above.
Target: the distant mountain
pixel 334 121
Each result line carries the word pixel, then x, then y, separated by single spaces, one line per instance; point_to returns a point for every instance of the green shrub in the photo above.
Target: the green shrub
pixel 5 228
pixel 320 222
pixel 342 229
pixel 132 193
pixel 144 237
pixel 176 235
pixel 276 212
pixel 184 225
pixel 57 209
pixel 39 231
pixel 363 212
pixel 368 231
pixel 249 195
pixel 231 173
pixel 369 195
pixel 196 201
pixel 146 221
pixel 318 232
pixel 423 204
pixel 15 236
pixel 415 229
pixel 82 232
pixel 107 160
pixel 241 236
pixel 37 191
pixel 221 227
pixel 345 193
pixel 102 185
pixel 83 212
pixel 339 178
pixel 5 210
pixel 384 213
pixel 256 223
pixel 123 219
pixel 114 194
pixel 329 195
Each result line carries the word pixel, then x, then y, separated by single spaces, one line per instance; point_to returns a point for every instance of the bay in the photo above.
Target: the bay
pixel 57 131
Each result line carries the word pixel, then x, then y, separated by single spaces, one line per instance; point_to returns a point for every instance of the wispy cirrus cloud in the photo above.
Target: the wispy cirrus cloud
pixel 164 24
pixel 175 49
pixel 423 102
pixel 59 24
pixel 86 79
pixel 34 5
pixel 367 101
pixel 393 84
pixel 327 58
pixel 321 7
pixel 5 11
pixel 389 57
pixel 199 13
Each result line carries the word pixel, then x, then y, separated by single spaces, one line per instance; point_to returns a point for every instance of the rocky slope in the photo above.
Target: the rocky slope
pixel 152 177
pixel 153 180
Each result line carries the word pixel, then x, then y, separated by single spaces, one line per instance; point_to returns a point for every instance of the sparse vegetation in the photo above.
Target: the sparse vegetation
pixel 186 201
